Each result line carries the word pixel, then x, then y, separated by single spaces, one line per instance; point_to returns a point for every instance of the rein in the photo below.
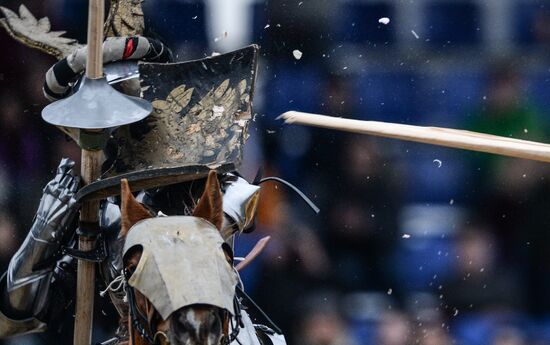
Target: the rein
pixel 138 320
pixel 236 323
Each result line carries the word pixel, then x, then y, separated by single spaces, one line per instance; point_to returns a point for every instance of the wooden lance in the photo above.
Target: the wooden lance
pixel 455 138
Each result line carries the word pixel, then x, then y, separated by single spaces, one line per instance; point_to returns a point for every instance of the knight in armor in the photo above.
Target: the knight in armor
pixel 39 284
pixel 201 113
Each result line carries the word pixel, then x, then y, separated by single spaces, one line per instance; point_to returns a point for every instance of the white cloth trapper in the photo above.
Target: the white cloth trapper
pixel 277 339
pixel 246 335
pixel 183 263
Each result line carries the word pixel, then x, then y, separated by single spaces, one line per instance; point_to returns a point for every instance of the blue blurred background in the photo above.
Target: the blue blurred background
pixel 415 244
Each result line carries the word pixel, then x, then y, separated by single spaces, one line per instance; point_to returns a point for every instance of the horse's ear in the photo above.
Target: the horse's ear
pixel 131 210
pixel 210 203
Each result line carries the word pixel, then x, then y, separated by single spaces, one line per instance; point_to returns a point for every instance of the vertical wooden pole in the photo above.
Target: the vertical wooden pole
pixel 94 63
pixel 90 171
pixel 85 282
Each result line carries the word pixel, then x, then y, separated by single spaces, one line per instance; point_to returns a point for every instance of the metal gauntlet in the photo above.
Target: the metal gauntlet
pixel 26 290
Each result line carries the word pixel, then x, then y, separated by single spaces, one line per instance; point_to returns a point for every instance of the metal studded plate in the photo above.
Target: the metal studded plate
pixel 202 109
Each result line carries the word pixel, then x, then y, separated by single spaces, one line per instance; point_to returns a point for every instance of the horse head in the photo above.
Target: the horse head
pixel 180 278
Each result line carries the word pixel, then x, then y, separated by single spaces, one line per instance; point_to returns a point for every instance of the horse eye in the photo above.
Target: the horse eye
pixel 130 270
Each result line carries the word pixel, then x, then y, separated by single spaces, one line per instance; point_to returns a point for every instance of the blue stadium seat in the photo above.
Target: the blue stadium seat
pixel 297 87
pixel 524 19
pixel 434 174
pixel 177 21
pixel 290 87
pixel 426 256
pixel 452 23
pixel 476 329
pixel 75 18
pixel 538 88
pixel 539 329
pixel 422 263
pixel 387 96
pixel 358 23
pixel 364 332
pixel 481 328
pixel 259 21
pixel 447 97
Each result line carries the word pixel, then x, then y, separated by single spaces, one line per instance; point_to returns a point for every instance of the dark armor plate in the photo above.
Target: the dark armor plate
pixel 202 109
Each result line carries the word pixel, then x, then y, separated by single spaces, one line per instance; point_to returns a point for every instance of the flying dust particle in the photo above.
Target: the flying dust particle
pixel 297 54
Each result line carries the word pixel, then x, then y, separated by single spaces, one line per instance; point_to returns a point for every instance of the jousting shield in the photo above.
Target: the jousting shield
pixel 201 113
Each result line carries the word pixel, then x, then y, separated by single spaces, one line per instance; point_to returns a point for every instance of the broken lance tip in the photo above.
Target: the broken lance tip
pixel 288 116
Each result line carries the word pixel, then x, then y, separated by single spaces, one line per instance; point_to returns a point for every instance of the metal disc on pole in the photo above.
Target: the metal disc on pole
pixel 96 105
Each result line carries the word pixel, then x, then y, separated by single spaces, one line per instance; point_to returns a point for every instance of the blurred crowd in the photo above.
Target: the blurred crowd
pixel 414 244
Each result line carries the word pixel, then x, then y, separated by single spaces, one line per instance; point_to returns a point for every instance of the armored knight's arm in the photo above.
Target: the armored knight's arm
pixel 26 288
pixel 59 77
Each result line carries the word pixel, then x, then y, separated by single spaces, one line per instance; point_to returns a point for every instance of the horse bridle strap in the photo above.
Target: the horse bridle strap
pixel 235 323
pixel 137 318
